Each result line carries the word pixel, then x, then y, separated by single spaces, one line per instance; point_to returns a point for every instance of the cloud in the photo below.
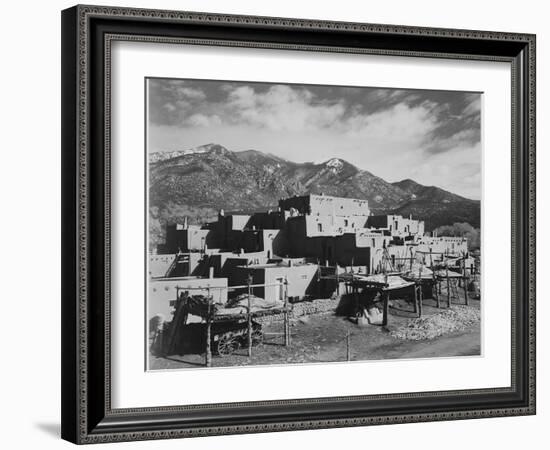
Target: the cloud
pixel 281 108
pixel 466 137
pixel 400 122
pixel 430 136
pixel 187 93
pixel 171 100
pixel 200 120
pixel 473 107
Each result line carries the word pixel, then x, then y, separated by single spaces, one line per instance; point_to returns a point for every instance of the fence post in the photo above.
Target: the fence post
pixel 249 282
pixel 348 342
pixel 284 285
pixel 466 299
pixel 438 287
pixel 420 295
pixel 337 281
pixel 448 288
pixel 386 308
pixel 208 355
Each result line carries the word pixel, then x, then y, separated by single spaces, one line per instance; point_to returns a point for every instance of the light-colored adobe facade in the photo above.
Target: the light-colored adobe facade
pixel 316 229
pixel 396 225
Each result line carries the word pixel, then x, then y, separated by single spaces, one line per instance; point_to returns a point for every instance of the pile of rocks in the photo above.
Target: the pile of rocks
pixel 458 318
pixel 314 307
pixel 304 308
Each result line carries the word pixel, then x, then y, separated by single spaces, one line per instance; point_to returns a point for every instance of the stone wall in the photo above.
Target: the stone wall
pixel 304 308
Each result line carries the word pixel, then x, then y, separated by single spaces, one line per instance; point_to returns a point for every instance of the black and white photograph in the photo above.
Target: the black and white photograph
pixel 275 225
pixel 294 223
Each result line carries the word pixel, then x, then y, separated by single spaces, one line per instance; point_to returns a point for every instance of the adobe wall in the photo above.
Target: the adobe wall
pixel 161 291
pixel 159 264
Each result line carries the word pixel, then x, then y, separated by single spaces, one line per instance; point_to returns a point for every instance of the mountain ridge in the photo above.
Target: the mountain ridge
pixel 198 182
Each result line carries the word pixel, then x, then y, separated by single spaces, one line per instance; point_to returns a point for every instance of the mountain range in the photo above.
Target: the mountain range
pixel 199 182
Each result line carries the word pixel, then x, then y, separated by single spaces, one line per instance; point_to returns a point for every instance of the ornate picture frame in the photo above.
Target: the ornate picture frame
pixel 88 33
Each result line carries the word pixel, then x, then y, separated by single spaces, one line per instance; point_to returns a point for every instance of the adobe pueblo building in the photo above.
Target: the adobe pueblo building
pixel 283 252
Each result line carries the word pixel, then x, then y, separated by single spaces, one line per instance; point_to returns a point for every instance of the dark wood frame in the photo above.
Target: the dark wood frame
pixel 87 32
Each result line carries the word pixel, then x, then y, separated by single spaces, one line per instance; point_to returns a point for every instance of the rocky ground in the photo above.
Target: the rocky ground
pixel 321 337
pixel 456 318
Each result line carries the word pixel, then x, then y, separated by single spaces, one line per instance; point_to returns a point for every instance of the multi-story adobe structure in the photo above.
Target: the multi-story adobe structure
pixel 322 228
pixel 309 230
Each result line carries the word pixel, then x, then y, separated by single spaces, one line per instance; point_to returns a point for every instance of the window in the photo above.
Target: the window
pixel 319 227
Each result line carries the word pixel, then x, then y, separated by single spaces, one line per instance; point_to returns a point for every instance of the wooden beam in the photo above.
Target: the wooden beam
pixel 448 290
pixel 437 287
pixel 249 317
pixel 286 321
pixel 465 280
pixel 420 300
pixel 348 345
pixel 466 299
pixel 208 354
pixel 386 308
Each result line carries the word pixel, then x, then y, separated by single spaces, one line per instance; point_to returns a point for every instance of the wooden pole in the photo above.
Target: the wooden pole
pixel 319 280
pixel 448 289
pixel 435 288
pixel 286 321
pixel 249 318
pixel 337 281
pixel 386 308
pixel 348 342
pixel 466 299
pixel 208 355
pixel 355 295
pixel 420 299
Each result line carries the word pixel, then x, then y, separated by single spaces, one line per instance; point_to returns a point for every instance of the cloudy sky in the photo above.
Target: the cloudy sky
pixel 432 137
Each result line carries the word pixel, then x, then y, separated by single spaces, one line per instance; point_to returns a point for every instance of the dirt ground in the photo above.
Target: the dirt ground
pixel 321 338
